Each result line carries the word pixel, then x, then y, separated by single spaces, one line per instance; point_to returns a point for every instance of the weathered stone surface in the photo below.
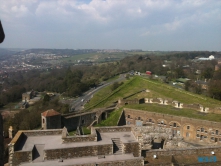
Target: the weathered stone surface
pixel 132 148
pixel 113 129
pixel 79 152
pixel 190 129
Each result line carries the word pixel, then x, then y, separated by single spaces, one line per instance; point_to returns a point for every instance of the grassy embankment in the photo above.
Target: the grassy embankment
pixel 157 89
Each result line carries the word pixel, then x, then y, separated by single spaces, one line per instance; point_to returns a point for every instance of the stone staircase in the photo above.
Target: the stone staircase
pixel 117 146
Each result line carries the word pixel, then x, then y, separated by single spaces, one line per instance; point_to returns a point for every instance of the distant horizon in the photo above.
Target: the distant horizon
pixel 113 49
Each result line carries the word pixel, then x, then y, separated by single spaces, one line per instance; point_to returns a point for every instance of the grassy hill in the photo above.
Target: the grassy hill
pixel 106 97
pixel 156 90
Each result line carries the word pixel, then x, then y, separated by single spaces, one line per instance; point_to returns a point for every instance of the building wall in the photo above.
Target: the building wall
pixel 191 129
pixel 53 122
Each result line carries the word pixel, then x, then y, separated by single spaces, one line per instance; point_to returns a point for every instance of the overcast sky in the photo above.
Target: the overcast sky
pixel 164 25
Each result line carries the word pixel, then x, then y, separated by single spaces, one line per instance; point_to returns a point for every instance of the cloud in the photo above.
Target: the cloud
pixel 111 20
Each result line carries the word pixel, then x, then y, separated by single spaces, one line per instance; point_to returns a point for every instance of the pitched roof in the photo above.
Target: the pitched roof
pixel 50 112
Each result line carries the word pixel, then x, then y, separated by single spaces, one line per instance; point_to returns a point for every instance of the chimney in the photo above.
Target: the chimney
pixel 10 132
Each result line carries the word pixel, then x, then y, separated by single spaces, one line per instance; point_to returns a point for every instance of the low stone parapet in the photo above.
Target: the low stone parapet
pixel 184 151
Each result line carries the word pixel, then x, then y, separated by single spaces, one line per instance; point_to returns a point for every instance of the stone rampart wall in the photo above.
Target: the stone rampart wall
pixel 82 138
pixel 189 151
pixel 132 148
pixel 42 132
pixel 19 157
pixel 188 128
pixel 113 129
pixel 77 152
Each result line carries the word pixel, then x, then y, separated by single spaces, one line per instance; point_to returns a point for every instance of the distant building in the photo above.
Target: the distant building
pixel 203 84
pixel 51 119
pixel 149 73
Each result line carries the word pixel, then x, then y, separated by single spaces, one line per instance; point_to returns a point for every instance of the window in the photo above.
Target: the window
pixel 187 134
pixel 150 120
pixel 138 118
pixel 197 135
pixel 128 122
pixel 217 132
pixel 212 138
pixel 174 124
pixel 205 136
pixel 128 116
pixel 220 139
pixel 187 127
pixel 202 129
pixel 43 120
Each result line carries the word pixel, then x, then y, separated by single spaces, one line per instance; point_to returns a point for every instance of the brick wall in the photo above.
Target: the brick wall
pixel 188 128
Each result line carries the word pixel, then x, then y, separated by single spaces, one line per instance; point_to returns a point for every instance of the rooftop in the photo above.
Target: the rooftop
pixel 50 112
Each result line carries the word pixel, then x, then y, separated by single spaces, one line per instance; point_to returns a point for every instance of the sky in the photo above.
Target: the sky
pixel 165 25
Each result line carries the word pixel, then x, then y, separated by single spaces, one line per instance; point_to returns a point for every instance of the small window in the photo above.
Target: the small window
pixel 212 138
pixel 217 132
pixel 202 129
pixel 138 118
pixel 128 116
pixel 150 120
pixel 220 139
pixel 188 127
pixel 197 135
pixel 205 136
pixel 174 124
pixel 128 122
pixel 187 134
pixel 43 120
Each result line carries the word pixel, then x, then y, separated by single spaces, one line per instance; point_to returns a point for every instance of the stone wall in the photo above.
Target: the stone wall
pixel 188 128
pixel 132 148
pixel 76 152
pixel 185 151
pixel 42 132
pixel 83 138
pixel 71 122
pixel 19 157
pixel 113 129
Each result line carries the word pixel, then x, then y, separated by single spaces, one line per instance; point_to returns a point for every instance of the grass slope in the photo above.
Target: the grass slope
pixel 176 111
pixel 112 120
